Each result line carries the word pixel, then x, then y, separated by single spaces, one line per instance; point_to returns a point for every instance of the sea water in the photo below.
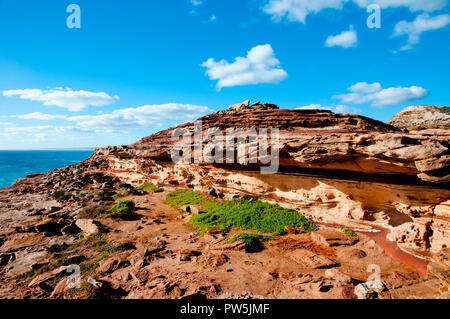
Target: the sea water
pixel 18 164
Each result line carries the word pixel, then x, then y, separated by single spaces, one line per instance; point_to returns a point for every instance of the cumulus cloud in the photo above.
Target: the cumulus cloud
pixel 298 10
pixel 139 117
pixel 259 66
pixel 39 116
pixel 413 5
pixel 196 2
pixel 65 98
pixel 422 23
pixel 41 131
pixel 346 39
pixel 375 95
pixel 333 108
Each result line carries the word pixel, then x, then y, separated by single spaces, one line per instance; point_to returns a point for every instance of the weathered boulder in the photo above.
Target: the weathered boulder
pixel 88 226
pixel 410 233
pixel 239 106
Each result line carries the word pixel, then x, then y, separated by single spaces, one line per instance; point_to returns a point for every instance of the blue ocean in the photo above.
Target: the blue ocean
pixel 18 164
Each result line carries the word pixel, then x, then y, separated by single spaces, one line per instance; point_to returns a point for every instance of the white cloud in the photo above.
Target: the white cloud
pixel 375 95
pixel 39 116
pixel 66 98
pixel 196 2
pixel 333 108
pixel 42 131
pixel 298 10
pixel 413 5
pixel 139 117
pixel 212 18
pixel 5 123
pixel 421 24
pixel 345 39
pixel 259 66
pixel 364 87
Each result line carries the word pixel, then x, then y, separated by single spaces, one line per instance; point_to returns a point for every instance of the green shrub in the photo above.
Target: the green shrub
pixel 61 196
pixel 348 232
pixel 106 195
pixel 124 209
pixel 187 197
pixel 244 214
pixel 158 190
pixel 94 212
pixel 81 195
pixel 147 187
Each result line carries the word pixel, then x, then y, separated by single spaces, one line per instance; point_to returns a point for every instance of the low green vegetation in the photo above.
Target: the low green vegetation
pixel 348 232
pixel 241 214
pixel 187 197
pixel 290 129
pixel 102 246
pixel 150 187
pixel 95 212
pixel 61 196
pixel 106 195
pixel 86 290
pixel 123 210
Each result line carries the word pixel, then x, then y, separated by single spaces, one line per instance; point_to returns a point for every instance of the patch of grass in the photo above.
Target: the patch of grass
pixel 290 129
pixel 123 210
pixel 32 273
pixel 117 196
pixel 187 197
pixel 148 187
pixel 94 212
pixel 245 214
pixel 348 232
pixel 86 187
pixel 81 195
pixel 61 196
pixel 86 290
pixel 106 195
pixel 102 246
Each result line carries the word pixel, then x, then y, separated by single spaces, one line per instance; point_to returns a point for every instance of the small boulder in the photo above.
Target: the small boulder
pixel 216 259
pixel 239 106
pixel 88 226
pixel 109 265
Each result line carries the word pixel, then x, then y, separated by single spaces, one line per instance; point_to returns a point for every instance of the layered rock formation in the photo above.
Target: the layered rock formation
pixel 422 117
pixel 334 167
pixel 341 170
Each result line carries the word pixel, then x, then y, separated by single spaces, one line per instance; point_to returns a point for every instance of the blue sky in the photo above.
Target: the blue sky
pixel 136 67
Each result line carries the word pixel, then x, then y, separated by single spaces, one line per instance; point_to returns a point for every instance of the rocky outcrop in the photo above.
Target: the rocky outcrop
pixel 422 117
pixel 333 167
pixel 340 170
